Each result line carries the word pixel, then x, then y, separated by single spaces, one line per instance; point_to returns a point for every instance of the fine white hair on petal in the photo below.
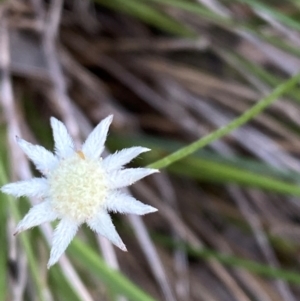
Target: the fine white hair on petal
pixel 120 202
pixel 118 159
pixel 42 159
pixel 102 224
pixel 122 178
pixel 94 144
pixel 64 146
pixel 35 187
pixel 63 235
pixel 37 215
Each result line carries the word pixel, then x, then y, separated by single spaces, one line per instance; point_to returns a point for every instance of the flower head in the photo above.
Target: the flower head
pixel 79 186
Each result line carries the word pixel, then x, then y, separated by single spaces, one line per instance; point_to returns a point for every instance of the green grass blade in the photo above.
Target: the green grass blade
pixel 28 247
pixel 206 166
pixel 233 261
pixel 3 249
pixel 249 265
pixel 113 279
pixel 283 18
pixel 196 8
pixel 220 173
pixel 149 15
pixel 24 238
pixel 239 121
pixel 63 289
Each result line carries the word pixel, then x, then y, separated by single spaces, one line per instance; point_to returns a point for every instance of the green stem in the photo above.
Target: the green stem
pixel 29 248
pixel 242 119
pixel 112 278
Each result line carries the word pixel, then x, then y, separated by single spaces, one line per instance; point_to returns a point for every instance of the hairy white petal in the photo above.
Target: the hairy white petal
pixel 102 224
pixel 37 215
pixel 63 234
pixel 122 178
pixel 35 187
pixel 118 159
pixel 94 144
pixel 125 203
pixel 43 159
pixel 64 146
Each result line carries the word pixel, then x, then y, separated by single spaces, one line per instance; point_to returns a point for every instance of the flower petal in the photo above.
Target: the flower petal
pixel 118 159
pixel 102 224
pixel 43 159
pixel 94 144
pixel 37 215
pixel 125 203
pixel 126 177
pixel 64 146
pixel 35 187
pixel 63 234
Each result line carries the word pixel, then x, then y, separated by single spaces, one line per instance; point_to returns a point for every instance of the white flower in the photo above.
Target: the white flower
pixel 78 186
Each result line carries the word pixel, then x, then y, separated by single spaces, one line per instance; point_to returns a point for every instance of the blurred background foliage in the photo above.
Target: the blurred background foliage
pixel 171 72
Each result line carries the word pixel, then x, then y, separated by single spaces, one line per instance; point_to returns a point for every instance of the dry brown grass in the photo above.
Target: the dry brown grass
pixel 81 61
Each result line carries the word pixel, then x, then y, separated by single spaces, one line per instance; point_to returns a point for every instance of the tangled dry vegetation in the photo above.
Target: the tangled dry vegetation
pixel 170 72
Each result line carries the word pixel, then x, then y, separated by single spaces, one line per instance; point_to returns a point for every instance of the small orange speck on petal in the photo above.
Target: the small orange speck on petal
pixel 81 154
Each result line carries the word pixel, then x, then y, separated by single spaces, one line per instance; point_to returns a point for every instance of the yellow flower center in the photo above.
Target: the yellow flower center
pixel 77 187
